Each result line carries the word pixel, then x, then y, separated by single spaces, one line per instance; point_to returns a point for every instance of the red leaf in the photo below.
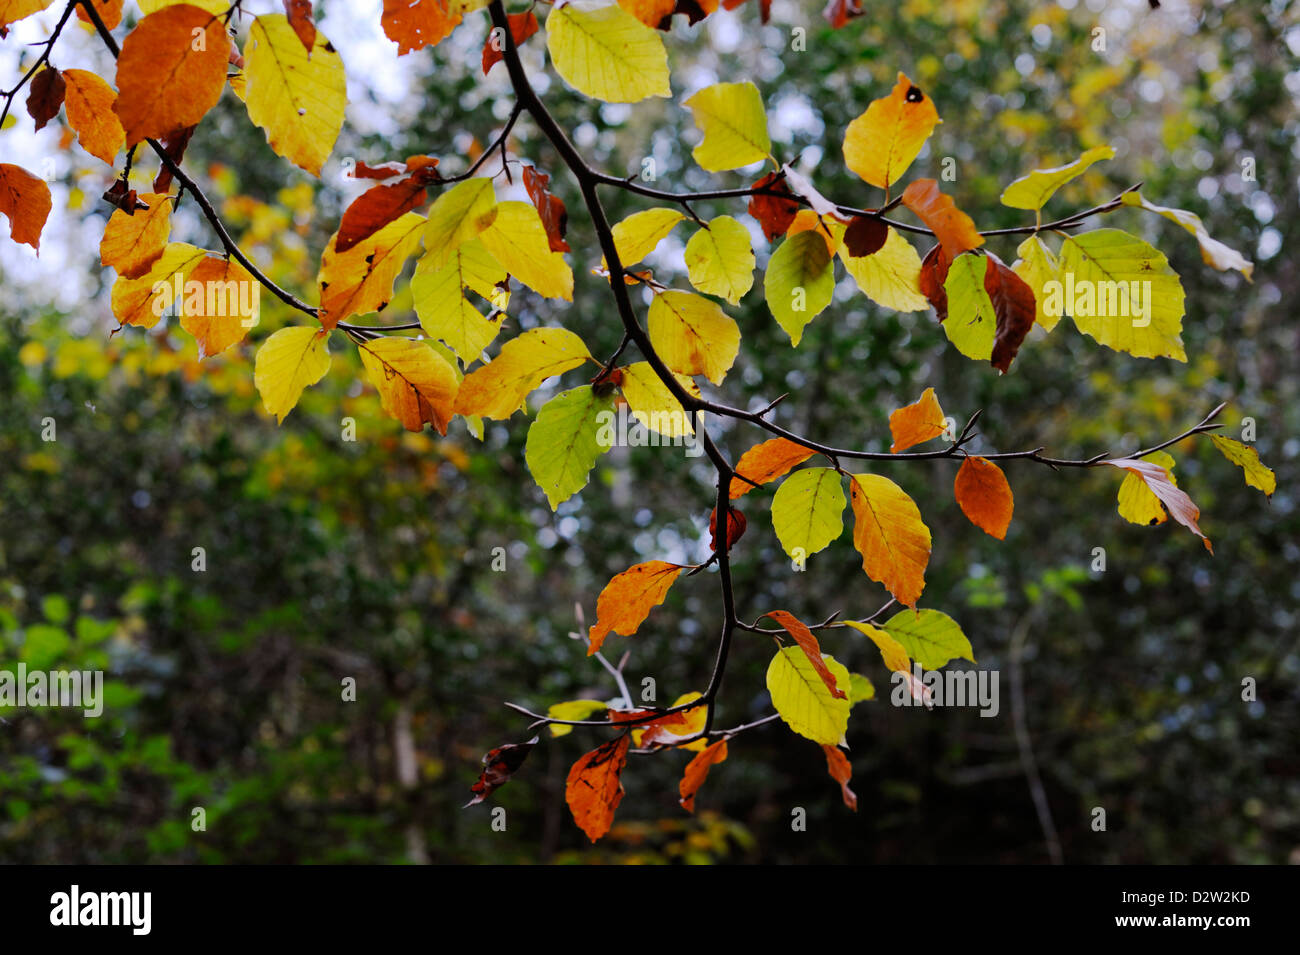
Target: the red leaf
pixel 735 528
pixel 934 272
pixel 45 95
pixel 593 789
pixel 774 214
pixel 1013 303
pixel 697 770
pixel 865 235
pixel 522 26
pixel 811 648
pixel 498 766
pixel 839 12
pixel 549 207
pixel 375 208
pixel 174 145
pixel 837 764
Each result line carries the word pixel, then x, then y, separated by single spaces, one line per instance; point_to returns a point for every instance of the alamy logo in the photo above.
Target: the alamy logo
pixel 234 299
pixel 1087 299
pixel 134 909
pixel 658 429
pixel 946 688
pixel 74 688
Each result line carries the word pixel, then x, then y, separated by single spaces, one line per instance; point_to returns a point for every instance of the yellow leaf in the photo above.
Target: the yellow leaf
pixel 890 535
pixel 802 698
pixel 1038 266
pixel 1213 252
pixel 572 710
pixel 297 99
pixel 720 260
pixel 607 53
pixel 289 361
pixel 445 312
pixel 133 243
pixel 1247 458
pixel 360 280
pixel 1032 191
pixel 414 382
pixel 637 235
pixel 652 404
pixel 518 241
pixel 142 301
pixel 1138 504
pixel 458 215
pixel 881 143
pixel 890 276
pixel 731 117
pixel 891 651
pixel 13 10
pixel 693 335
pixel 497 389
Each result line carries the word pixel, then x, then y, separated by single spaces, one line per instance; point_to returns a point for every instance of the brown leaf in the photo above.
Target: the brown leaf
pixel 593 789
pixel 498 766
pixel 695 11
pixel 697 770
pixel 300 17
pixel 865 235
pixel 773 214
pixel 1013 303
pixel 952 227
pixel 839 12
pixel 1175 500
pixel 123 198
pixel 984 496
pixel 920 421
pixel 26 201
pixel 811 648
pixel 934 273
pixel 764 8
pixel 171 72
pixel 837 764
pixel 375 208
pixel 522 26
pixel 736 525
pixel 415 24
pixel 628 599
pixel 174 145
pixel 110 11
pixel 89 104
pixel 45 95
pixel 766 461
pixel 550 208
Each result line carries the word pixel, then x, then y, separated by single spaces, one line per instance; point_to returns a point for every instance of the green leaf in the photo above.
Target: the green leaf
pixel 563 444
pixel 803 700
pixel 1122 292
pixel 573 710
pixel 439 298
pixel 860 689
pixel 1032 191
pixel 800 281
pixel 734 125
pixel 971 324
pixel 1247 458
pixel 807 511
pixel 930 637
pixel 720 259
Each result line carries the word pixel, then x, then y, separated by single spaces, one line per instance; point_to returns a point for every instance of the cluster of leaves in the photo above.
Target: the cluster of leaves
pixel 175 64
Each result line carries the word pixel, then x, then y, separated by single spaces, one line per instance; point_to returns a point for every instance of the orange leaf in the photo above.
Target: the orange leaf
pixel 773 214
pixel 26 201
pixel 917 422
pixel 375 208
pixel 134 242
pixel 736 525
pixel 984 496
pixel 171 71
pixel 522 26
pixel 649 12
pixel 45 95
pixel 415 24
pixel 1175 500
pixel 594 790
pixel 229 307
pixel 837 764
pixel 1013 303
pixel 89 104
pixel 697 770
pixel 549 208
pixel 628 599
pixel 952 227
pixel 890 535
pixel 766 461
pixel 811 648
pixel 110 11
pixel 304 25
